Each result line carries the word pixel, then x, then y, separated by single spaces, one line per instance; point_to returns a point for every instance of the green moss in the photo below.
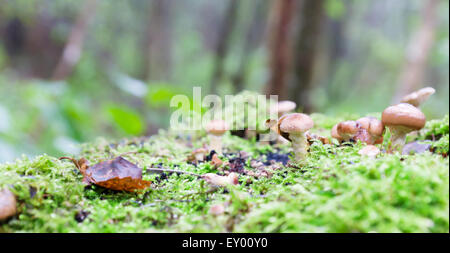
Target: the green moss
pixel 336 190
pixel 435 128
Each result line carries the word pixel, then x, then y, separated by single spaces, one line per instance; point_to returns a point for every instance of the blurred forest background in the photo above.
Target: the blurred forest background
pixel 71 71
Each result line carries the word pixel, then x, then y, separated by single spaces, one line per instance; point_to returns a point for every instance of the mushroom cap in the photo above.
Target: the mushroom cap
pixel 347 128
pixel 312 136
pixel 200 151
pixel 8 204
pixel 334 133
pixel 418 97
pixel 369 150
pixel 372 125
pixel 404 115
pixel 217 127
pixel 295 123
pixel 286 106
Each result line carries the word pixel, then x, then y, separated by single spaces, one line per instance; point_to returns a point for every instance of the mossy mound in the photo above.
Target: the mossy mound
pixel 336 191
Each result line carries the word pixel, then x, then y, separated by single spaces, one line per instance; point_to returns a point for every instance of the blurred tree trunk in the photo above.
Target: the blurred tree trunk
pixel 251 42
pixel 159 41
pixel 223 44
pixel 418 50
pixel 337 48
pixel 307 39
pixel 74 46
pixel 281 17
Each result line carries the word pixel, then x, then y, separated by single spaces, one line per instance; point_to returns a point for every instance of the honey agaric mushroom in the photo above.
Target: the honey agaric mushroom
pixel 374 127
pixel 274 128
pixel 293 127
pixel 335 134
pixel 353 131
pixel 370 151
pixel 8 204
pixel 199 154
pixel 347 130
pixel 311 137
pixel 217 209
pixel 285 107
pixel 216 128
pixel 402 119
pixel 418 97
pixel 217 180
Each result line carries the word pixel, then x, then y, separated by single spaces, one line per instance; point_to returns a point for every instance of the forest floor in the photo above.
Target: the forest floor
pixel 336 190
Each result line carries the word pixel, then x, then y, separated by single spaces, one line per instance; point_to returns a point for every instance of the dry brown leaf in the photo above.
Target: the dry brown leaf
pixel 117 174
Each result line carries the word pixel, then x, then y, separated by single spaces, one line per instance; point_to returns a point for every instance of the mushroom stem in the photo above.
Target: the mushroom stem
pixel 199 157
pixel 216 143
pixel 398 138
pixel 300 146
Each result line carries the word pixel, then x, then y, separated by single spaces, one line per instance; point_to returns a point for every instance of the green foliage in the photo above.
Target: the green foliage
pixel 334 8
pixel 160 94
pixel 435 128
pixel 127 119
pixel 442 145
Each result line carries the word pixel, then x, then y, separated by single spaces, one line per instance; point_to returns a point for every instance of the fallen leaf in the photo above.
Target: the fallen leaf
pixel 117 174
pixel 7 204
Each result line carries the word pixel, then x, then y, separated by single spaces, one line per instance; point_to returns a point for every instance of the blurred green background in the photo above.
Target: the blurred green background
pixel 72 71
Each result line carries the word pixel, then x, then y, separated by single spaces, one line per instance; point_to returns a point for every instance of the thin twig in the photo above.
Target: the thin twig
pixel 157 170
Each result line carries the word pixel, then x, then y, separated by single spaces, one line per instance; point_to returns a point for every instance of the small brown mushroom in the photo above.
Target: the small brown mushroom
pixel 335 134
pixel 293 127
pixel 217 180
pixel 347 130
pixel 352 131
pixel 216 129
pixel 199 154
pixel 285 107
pixel 311 137
pixel 8 204
pixel 217 209
pixel 274 133
pixel 402 119
pixel 418 97
pixel 216 162
pixel 374 127
pixel 370 151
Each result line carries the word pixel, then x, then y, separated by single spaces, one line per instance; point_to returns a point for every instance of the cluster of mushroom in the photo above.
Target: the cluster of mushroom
pixel 401 119
pixel 367 129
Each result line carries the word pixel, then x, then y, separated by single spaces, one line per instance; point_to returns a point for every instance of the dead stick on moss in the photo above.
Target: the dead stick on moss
pixel 157 170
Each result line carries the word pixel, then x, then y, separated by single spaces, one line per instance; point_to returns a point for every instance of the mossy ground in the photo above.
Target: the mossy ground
pixel 336 190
